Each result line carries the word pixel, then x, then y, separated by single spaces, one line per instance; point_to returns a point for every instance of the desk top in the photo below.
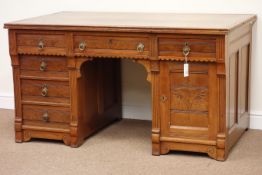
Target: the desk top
pixel 142 22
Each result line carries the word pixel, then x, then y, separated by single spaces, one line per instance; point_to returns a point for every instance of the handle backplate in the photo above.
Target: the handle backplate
pixel 82 46
pixel 44 91
pixel 186 49
pixel 43 65
pixel 45 117
pixel 41 44
pixel 140 47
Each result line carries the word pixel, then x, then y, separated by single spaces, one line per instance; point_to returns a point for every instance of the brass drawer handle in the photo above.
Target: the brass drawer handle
pixel 186 49
pixel 140 47
pixel 45 117
pixel 41 45
pixel 43 65
pixel 82 46
pixel 44 91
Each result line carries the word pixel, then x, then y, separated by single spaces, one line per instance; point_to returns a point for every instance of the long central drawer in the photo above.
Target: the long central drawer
pixel 119 46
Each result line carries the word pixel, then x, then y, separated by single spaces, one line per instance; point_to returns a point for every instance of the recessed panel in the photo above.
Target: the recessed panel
pixel 194 119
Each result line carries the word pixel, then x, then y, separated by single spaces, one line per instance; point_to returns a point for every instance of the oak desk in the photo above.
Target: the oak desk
pixel 67 76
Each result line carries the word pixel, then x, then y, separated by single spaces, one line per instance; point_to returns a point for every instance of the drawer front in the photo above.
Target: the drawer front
pixel 45 91
pixel 201 48
pixel 44 66
pixel 46 113
pixel 45 44
pixel 45 128
pixel 137 47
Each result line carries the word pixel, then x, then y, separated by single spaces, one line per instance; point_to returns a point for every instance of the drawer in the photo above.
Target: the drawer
pixel 44 66
pixel 122 46
pixel 201 48
pixel 46 113
pixel 44 129
pixel 45 91
pixel 41 43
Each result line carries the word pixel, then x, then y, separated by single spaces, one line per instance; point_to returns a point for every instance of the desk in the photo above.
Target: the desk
pixel 67 76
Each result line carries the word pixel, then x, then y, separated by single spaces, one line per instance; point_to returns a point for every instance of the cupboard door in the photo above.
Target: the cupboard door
pixel 188 104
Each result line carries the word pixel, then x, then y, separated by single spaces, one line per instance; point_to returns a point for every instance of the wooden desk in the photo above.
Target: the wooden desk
pixel 67 76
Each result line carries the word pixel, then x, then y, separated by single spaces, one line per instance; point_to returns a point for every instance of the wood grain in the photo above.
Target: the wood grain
pixel 205 112
pixel 143 22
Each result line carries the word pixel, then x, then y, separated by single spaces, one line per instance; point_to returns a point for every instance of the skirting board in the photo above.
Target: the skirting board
pixel 256 120
pixel 137 112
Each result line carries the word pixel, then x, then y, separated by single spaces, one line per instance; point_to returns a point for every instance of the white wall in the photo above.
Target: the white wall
pixel 136 94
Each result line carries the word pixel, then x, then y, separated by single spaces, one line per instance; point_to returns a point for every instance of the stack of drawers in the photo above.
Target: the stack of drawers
pixel 55 98
pixel 44 86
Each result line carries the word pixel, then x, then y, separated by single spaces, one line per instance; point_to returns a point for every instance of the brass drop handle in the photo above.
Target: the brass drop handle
pixel 43 65
pixel 186 49
pixel 44 91
pixel 82 46
pixel 140 47
pixel 45 117
pixel 41 45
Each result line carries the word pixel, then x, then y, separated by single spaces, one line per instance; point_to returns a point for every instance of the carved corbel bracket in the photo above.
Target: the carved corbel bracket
pixel 14 60
pixel 212 152
pixel 146 64
pixel 79 63
pixel 12 48
pixel 26 136
pixel 76 63
pixel 150 66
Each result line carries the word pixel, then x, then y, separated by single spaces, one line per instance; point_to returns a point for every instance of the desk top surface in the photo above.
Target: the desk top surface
pixel 78 20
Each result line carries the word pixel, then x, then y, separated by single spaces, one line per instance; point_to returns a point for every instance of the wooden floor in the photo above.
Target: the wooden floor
pixel 120 149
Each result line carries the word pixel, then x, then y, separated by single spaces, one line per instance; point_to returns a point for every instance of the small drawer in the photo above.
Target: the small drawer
pixel 200 48
pixel 41 44
pixel 46 114
pixel 44 66
pixel 135 47
pixel 45 91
